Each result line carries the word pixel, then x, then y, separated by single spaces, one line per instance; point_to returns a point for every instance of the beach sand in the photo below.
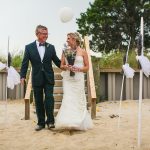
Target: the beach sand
pixel 19 134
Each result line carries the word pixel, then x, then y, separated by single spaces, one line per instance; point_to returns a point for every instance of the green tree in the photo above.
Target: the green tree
pixel 110 23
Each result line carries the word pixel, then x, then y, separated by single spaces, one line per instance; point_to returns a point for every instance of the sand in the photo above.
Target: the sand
pixel 19 134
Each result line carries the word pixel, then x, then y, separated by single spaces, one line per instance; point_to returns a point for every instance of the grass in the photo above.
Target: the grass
pixel 16 60
pixel 114 60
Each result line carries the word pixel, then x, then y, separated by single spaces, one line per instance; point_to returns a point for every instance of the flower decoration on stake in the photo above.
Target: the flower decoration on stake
pixel 143 61
pixel 13 77
pixel 139 45
pixel 70 56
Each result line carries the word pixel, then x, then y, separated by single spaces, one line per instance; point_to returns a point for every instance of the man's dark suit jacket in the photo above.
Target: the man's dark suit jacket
pixel 39 67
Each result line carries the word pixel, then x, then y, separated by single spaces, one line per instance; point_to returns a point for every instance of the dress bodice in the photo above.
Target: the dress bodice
pixel 78 75
pixel 79 61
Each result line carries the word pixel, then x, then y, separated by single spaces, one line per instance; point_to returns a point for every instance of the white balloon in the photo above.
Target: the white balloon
pixel 66 14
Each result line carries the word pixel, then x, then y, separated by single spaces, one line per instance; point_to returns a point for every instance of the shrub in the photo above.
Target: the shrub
pixel 114 59
pixel 16 61
pixel 2 59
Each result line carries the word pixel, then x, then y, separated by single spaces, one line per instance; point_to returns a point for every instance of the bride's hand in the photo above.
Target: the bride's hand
pixel 75 69
pixel 67 67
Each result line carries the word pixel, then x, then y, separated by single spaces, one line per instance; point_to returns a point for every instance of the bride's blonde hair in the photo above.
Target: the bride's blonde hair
pixel 76 36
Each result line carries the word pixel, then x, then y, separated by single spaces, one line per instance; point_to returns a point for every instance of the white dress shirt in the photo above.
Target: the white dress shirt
pixel 41 50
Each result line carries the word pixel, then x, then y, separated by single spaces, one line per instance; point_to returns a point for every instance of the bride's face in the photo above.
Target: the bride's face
pixel 71 41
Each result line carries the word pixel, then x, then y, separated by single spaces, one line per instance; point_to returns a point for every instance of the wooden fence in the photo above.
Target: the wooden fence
pixel 110 86
pixel 16 93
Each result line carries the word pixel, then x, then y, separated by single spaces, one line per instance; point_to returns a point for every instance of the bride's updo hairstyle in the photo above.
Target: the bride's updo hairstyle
pixel 75 36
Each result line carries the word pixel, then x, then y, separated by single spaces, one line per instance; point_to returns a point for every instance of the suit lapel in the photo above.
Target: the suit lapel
pixel 46 51
pixel 36 51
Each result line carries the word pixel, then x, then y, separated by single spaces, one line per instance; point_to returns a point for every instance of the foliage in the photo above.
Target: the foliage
pixel 2 59
pixel 16 61
pixel 111 23
pixel 114 60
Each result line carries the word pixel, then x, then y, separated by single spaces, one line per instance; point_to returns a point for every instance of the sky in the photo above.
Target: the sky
pixel 19 19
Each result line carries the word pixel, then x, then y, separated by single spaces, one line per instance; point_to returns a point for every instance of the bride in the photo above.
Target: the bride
pixel 73 112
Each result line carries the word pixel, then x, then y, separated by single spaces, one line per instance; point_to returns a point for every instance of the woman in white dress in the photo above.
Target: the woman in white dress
pixel 73 113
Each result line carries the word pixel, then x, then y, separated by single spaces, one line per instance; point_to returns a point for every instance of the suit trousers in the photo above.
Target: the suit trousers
pixel 44 101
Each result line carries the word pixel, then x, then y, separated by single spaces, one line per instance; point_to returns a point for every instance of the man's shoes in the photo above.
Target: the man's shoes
pixel 39 127
pixel 50 125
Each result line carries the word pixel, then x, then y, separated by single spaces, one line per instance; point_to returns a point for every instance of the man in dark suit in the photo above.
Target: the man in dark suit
pixel 41 54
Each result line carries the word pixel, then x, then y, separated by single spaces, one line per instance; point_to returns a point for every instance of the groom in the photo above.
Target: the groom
pixel 41 54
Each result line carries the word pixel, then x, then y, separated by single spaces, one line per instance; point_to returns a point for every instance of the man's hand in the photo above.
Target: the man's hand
pixel 66 67
pixel 22 80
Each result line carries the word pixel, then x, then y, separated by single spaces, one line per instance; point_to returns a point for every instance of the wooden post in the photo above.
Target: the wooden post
pixel 91 83
pixel 129 88
pixel 27 109
pixel 27 99
pixel 93 108
pixel 111 86
pixel 97 78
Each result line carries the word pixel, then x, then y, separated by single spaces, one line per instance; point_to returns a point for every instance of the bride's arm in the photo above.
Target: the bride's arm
pixel 86 62
pixel 63 64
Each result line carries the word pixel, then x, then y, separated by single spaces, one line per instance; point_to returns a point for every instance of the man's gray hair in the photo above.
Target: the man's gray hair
pixel 40 27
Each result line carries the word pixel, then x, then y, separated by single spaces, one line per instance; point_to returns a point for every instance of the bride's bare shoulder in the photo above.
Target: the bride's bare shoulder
pixel 82 51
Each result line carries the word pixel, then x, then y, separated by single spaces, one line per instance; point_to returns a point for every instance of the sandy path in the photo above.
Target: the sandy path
pixel 18 134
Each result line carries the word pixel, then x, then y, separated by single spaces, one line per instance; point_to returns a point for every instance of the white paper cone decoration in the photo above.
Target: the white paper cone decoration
pixel 13 78
pixel 2 66
pixel 66 14
pixel 128 71
pixel 145 64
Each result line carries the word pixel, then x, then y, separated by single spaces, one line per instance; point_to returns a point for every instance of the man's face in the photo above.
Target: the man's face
pixel 42 35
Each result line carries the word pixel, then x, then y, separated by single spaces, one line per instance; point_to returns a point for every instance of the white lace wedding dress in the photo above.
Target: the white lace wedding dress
pixel 73 112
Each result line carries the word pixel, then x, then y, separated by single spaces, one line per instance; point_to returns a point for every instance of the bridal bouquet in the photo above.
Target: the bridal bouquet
pixel 70 56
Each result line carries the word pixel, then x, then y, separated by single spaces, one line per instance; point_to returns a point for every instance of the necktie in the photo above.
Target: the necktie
pixel 41 44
